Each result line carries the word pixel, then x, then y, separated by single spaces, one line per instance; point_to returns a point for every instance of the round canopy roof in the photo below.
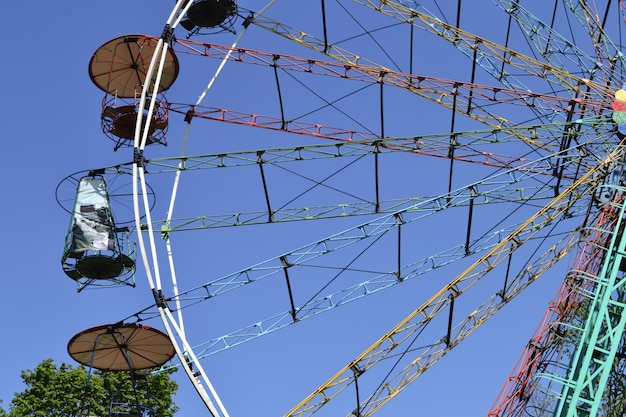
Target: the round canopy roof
pixel 120 65
pixel 211 13
pixel 121 347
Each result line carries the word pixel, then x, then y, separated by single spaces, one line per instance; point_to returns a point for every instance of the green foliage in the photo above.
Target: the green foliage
pixel 614 398
pixel 66 391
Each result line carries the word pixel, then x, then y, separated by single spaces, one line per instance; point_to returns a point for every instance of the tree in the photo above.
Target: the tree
pixel 67 391
pixel 614 399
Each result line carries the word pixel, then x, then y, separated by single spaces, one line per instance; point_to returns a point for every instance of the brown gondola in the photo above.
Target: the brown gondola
pixel 119 68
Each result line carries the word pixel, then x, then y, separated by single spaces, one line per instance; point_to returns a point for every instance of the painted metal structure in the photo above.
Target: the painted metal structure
pixel 522 162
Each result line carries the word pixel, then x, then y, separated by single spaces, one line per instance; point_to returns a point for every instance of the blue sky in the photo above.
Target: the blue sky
pixel 51 125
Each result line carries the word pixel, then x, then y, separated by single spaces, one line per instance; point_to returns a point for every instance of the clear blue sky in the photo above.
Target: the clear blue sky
pixel 50 114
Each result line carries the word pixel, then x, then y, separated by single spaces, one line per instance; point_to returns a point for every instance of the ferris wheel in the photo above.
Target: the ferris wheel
pixel 427 162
